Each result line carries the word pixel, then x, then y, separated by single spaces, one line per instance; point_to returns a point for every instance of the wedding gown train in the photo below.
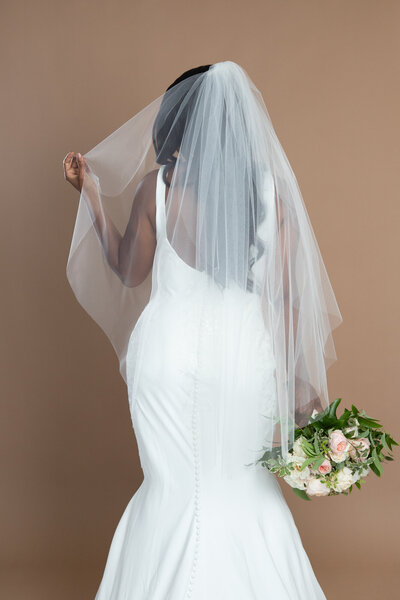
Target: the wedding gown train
pixel 188 533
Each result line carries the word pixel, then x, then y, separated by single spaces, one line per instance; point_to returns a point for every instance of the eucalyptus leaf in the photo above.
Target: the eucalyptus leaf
pixel 301 493
pixel 375 470
pixel 378 465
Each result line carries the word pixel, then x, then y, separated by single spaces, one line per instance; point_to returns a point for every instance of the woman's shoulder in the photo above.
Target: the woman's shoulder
pixel 146 191
pixel 147 184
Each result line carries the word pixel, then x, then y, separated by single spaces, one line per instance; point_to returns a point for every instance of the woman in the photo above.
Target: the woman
pixel 219 308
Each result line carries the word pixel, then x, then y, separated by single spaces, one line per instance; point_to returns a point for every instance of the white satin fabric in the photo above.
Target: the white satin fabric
pixel 189 532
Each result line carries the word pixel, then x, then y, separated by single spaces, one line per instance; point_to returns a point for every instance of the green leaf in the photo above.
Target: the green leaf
pixel 377 462
pixel 368 423
pixel 307 447
pixel 375 470
pixel 301 493
pixel 333 407
pixel 363 414
pixel 390 441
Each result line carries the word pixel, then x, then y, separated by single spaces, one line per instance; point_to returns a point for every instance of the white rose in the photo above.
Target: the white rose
pixel 355 477
pixel 297 478
pixel 314 413
pixel 294 482
pixel 297 449
pixel 316 487
pixel 338 457
pixel 344 479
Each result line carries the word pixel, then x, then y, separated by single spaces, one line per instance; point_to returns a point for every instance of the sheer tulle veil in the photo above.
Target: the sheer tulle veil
pixel 234 213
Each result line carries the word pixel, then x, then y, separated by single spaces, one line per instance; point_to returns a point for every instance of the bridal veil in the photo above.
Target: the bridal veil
pixel 234 211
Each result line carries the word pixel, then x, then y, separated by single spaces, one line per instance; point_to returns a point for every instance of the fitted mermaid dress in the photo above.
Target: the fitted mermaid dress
pixel 190 531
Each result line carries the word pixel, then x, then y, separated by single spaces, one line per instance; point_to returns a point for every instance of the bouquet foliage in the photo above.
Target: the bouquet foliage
pixel 331 454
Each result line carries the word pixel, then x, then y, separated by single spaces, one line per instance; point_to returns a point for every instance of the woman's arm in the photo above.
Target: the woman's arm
pixel 138 244
pixel 130 255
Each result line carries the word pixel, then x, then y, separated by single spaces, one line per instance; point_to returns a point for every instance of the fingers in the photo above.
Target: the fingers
pixel 80 161
pixel 71 157
pixel 68 159
pixel 72 169
pixel 75 167
pixel 67 156
pixel 67 164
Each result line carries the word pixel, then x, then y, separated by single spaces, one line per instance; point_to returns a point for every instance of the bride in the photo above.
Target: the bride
pixel 193 251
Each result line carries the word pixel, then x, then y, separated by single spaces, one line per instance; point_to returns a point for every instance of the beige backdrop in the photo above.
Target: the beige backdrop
pixel 74 71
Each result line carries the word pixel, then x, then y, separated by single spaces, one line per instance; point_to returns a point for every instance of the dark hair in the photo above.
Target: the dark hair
pixel 166 141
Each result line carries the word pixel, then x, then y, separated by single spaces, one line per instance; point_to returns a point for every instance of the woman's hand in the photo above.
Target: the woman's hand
pixel 305 390
pixel 74 169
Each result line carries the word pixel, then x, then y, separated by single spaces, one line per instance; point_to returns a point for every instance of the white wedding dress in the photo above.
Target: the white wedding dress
pixel 188 533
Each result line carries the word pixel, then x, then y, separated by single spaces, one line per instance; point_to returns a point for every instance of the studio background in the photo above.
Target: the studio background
pixel 72 72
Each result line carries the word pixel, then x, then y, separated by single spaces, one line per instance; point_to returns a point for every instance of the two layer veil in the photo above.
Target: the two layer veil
pixel 233 210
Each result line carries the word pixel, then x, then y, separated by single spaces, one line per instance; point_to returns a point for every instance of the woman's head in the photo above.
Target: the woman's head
pixel 169 124
pixel 189 73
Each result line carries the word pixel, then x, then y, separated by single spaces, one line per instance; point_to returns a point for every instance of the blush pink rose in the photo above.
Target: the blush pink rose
pixel 325 467
pixel 360 444
pixel 338 442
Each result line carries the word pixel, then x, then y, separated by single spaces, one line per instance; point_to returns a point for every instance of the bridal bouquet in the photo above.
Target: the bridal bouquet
pixel 331 454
